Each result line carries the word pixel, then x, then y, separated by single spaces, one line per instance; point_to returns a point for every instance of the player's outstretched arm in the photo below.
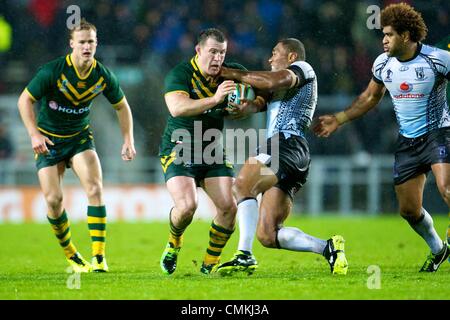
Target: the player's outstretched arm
pixel 126 126
pixel 327 124
pixel 263 80
pixel 181 105
pixel 26 109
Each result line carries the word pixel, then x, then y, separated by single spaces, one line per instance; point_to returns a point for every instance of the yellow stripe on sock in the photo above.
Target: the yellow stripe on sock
pixel 69 250
pixel 218 250
pixel 448 229
pixel 219 235
pixel 98 248
pixel 219 238
pixel 176 241
pixel 96 220
pixel 97 233
pixel 67 237
pixel 60 228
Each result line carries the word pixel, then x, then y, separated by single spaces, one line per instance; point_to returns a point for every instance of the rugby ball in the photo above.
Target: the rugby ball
pixel 242 91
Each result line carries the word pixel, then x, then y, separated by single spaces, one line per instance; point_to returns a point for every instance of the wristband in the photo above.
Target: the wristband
pixel 341 117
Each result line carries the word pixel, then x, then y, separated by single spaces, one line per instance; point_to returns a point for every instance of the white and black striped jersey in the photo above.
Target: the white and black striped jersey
pixel 290 111
pixel 417 88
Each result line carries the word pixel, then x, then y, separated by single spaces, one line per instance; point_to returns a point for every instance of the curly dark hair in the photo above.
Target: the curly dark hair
pixel 402 17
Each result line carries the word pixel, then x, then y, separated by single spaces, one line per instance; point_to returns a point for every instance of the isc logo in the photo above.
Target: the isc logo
pixel 242 91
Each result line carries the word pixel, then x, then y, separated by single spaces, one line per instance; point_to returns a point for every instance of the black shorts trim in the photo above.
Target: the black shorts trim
pixel 289 160
pixel 414 156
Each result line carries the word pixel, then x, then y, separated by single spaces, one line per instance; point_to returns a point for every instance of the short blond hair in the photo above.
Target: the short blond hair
pixel 84 25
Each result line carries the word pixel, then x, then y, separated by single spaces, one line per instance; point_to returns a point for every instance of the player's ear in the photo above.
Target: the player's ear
pixel 292 56
pixel 405 36
pixel 197 49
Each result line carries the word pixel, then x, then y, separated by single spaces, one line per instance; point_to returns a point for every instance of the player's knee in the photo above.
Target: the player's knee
pixel 94 190
pixel 54 200
pixel 267 239
pixel 228 208
pixel 238 185
pixel 186 209
pixel 445 192
pixel 241 189
pixel 228 215
pixel 410 213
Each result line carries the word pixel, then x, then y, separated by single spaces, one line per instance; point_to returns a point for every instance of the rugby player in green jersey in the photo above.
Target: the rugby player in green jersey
pixel 61 137
pixel 196 99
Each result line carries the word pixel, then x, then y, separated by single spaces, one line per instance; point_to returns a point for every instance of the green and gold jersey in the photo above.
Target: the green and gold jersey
pixel 66 97
pixel 187 78
pixel 445 45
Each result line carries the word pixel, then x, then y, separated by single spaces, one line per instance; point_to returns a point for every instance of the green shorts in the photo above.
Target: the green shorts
pixel 197 171
pixel 64 149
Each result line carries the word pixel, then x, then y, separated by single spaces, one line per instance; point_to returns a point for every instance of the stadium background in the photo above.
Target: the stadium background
pixel 141 40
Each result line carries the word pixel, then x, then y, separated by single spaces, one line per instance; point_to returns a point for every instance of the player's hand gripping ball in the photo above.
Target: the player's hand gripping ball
pixel 242 91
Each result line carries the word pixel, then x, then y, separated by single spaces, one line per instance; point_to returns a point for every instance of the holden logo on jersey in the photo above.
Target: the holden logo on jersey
pixel 403 68
pixel 406 87
pixel 53 105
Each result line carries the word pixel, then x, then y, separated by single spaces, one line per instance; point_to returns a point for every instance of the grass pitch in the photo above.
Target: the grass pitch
pixel 33 265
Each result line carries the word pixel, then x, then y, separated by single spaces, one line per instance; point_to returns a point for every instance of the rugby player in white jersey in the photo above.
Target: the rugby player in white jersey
pixel 416 77
pixel 280 167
